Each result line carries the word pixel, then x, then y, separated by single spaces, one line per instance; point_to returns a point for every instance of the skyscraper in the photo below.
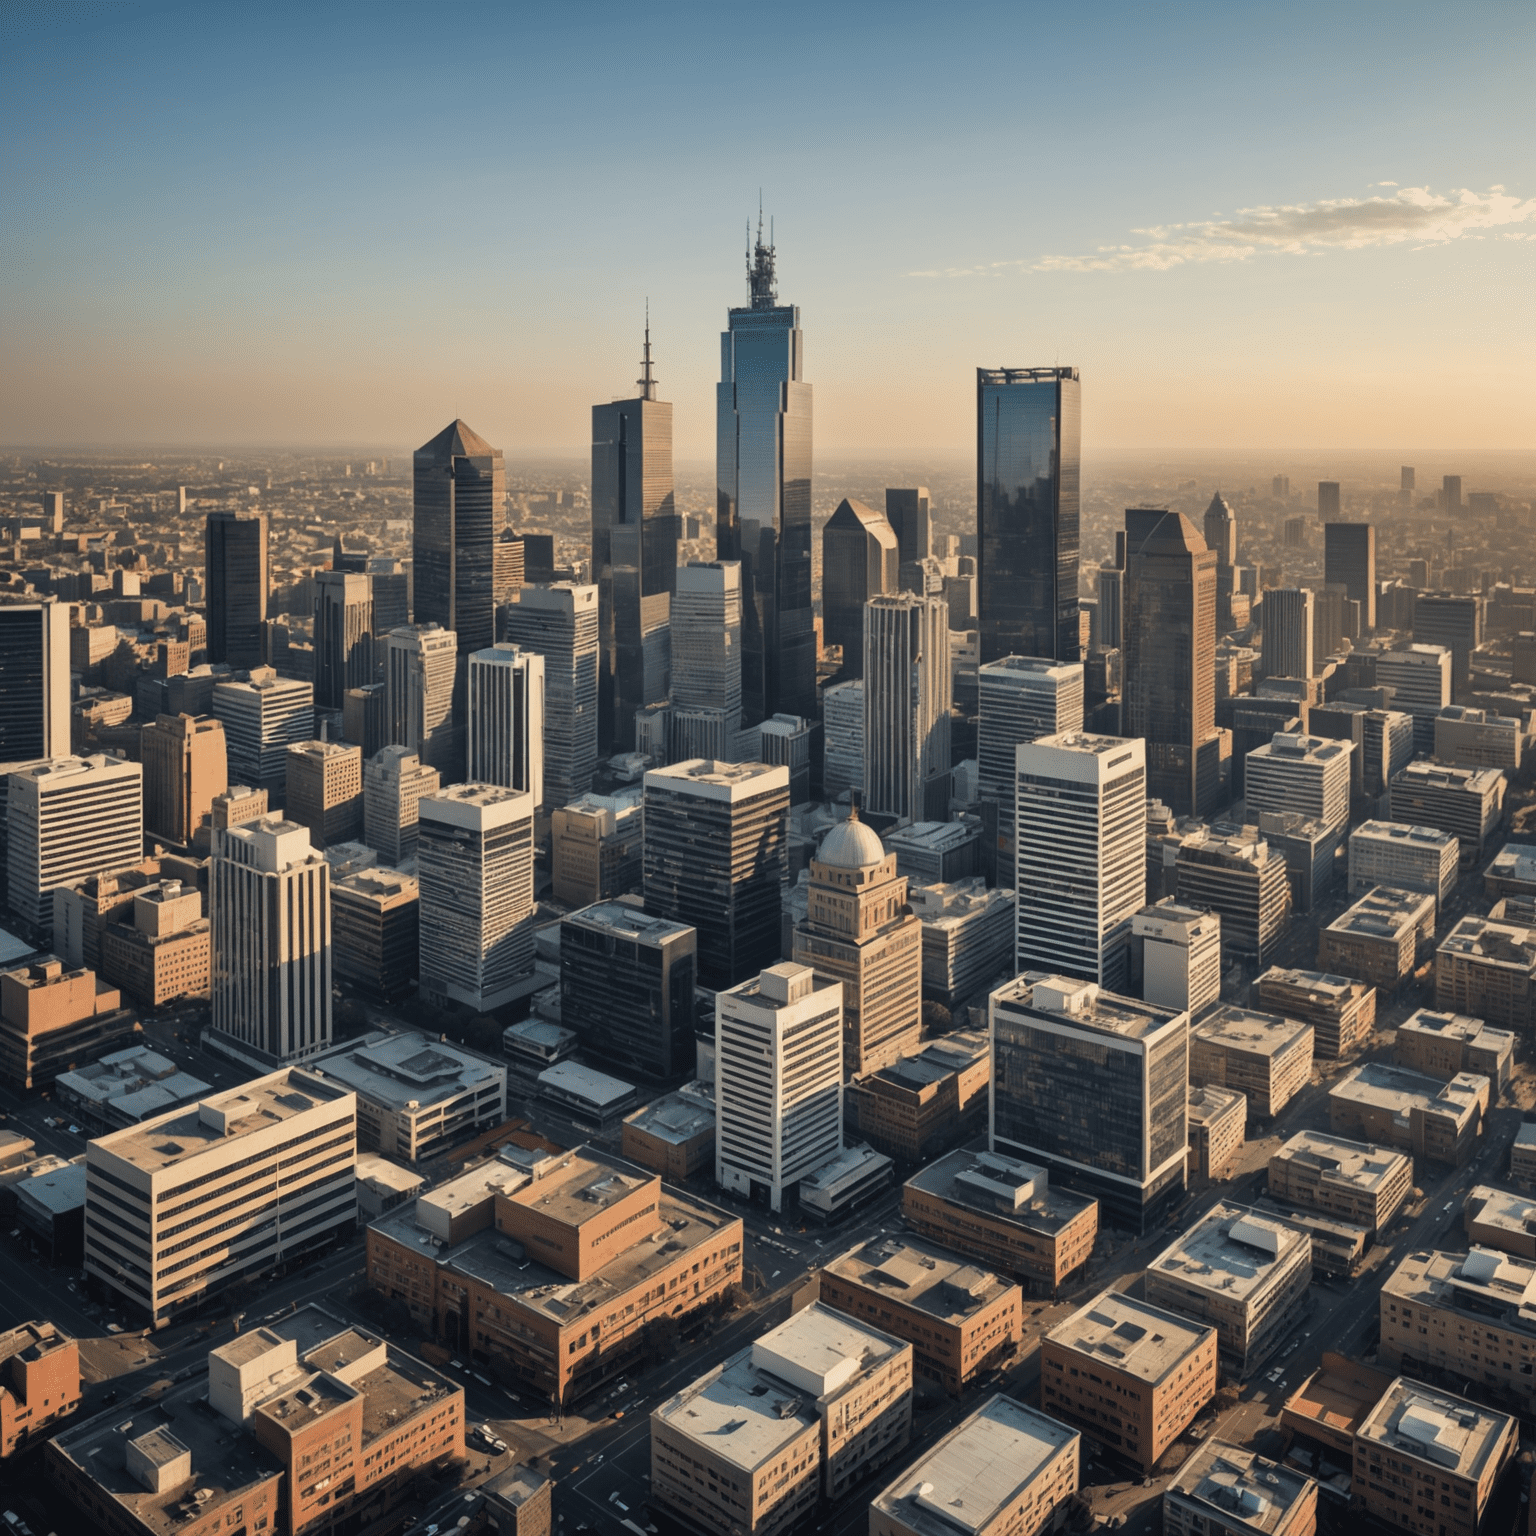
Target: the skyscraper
pixel 239 583
pixel 634 553
pixel 34 679
pixel 325 791
pixel 343 636
pixel 842 724
pixel 1350 562
pixel 859 560
pixel 420 666
pixel 1027 471
pixel 185 766
pixel 1288 625
pixel 460 488
pixel 394 784
pixel 506 719
pixel 1450 492
pixel 907 682
pixel 706 647
pixel 909 513
pixel 1111 607
pixel 263 715
pixel 1221 539
pixel 1328 501
pixel 763 502
pixel 1454 620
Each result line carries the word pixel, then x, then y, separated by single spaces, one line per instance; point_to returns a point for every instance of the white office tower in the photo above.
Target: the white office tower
pixel 474 865
pixel 506 719
pixel 263 715
pixel 1179 954
pixel 1081 862
pixel 34 679
pixel 395 782
pixel 269 901
pixel 1307 774
pixel 778 1080
pixel 706 640
pixel 1111 608
pixel 842 726
pixel 907 686
pixel 67 819
pixel 1288 632
pixel 559 623
pixel 420 661
pixel 1420 679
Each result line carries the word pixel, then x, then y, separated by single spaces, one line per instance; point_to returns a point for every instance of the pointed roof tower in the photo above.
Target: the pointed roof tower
pixel 456 441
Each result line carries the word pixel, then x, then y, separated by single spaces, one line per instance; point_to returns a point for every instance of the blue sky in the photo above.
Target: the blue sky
pixel 343 223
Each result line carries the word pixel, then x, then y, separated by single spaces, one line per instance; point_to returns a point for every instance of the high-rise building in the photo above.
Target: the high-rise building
pixel 460 489
pixel 1111 607
pixel 1095 1086
pixel 763 500
pixel 343 636
pixel 634 553
pixel 560 623
pixel 858 561
pixel 474 863
pixel 395 782
pixel 715 858
pixel 778 1080
pixel 1221 530
pixel 34 679
pixel 907 683
pixel 1176 955
pixel 597 847
pixel 389 586
pixel 269 902
pixel 1081 868
pixel 263 715
pixel 908 511
pixel 185 766
pixel 1455 621
pixel 1406 481
pixel 365 717
pixel 1450 492
pixel 239 583
pixel 859 930
pixel 1420 679
pixel 1327 501
pixel 1306 774
pixel 842 726
pixel 325 791
pixel 510 569
pixel 1027 508
pixel 1242 878
pixel 420 667
pixel 1350 562
pixel 706 642
pixel 1288 626
pixel 506 719
pixel 66 819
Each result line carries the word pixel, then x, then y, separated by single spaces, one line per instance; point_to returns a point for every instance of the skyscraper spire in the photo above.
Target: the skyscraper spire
pixel 760 261
pixel 647 379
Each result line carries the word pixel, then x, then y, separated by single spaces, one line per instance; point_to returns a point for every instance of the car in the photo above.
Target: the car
pixel 74 1130
pixel 1275 1374
pixel 114 1327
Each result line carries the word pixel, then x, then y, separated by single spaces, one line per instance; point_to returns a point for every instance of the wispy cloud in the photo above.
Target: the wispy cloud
pixel 1408 215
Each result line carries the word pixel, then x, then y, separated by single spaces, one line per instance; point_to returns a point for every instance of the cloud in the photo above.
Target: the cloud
pixel 1409 215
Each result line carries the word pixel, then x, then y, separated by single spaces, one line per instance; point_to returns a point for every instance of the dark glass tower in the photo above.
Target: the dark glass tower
pixel 1027 470
pixel 860 559
pixel 239 581
pixel 763 503
pixel 460 488
pixel 634 554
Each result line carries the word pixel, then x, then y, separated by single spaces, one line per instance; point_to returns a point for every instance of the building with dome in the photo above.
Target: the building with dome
pixel 859 930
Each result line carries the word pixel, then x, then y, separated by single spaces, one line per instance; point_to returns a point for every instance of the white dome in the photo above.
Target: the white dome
pixel 851 845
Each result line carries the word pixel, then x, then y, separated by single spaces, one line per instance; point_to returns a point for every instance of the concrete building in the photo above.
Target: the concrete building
pixel 1005 1213
pixel 420 667
pixel 1466 802
pixel 859 930
pixel 35 638
pixel 238 585
pixel 52 1019
pixel 1512 873
pixel 597 848
pixel 1408 858
pixel 1445 1045
pixel 1306 774
pixel 343 635
pixel 365 719
pixel 376 930
pixel 1128 1372
pixel 165 950
pixel 1223 1490
pixel 395 782
pixel 1009 1468
pixel 706 643
pixel 185 766
pixel 1238 875
pixel 1351 1180
pixel 1341 1011
pixel 1245 1274
pixel 1377 940
pixel 1496 1218
pixel 1119 1133
pixel 1453 620
pixel 848 1180
pixel 263 715
pixel 1288 628
pixel 39 1383
pixel 1486 966
pixel 842 728
pixel 1522 1157
pixel 1266 1058
pixel 1478 738
pixel 1218 1126
pixel 270 900
pixel 238 1220
pixel 1439 1122
pixel 907 688
pixel 125 1087
pixel 505 720
pixel 935 852
pixel 924 1104
pixel 325 791
pixel 1420 679
pixel 673 1136
pixel 1176 955
pixel 474 858
pixel 968 933
pixel 778 1083
pixel 84 909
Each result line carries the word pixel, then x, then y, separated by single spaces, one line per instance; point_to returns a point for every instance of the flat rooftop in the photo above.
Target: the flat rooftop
pixel 932 835
pixel 1239 1487
pixel 1131 1336
pixel 1421 774
pixel 381 1173
pixel 597 1088
pixel 1514 861
pixel 819 1350
pixel 1436 1427
pixel 1209 1103
pixel 1492 942
pixel 1337 1396
pixel 627 921
pixel 673 1119
pixel 1456 1026
pixel 743 1418
pixel 1482 1282
pixel 1244 1029
pixel 1359 1164
pixel 1083 1005
pixel 922 1276
pixel 32 1340
pixel 1384 912
pixel 1320 986
pixel 407 1071
pixel 1004 1188
pixel 1431 838
pixel 1502 1210
pixel 1399 1090
pixel 1233 1250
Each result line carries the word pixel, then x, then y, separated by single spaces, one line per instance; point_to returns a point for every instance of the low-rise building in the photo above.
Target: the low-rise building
pixel 1522 1157
pixel 53 1019
pixel 968 933
pixel 1266 1058
pixel 1223 1490
pixel 1498 1218
pixel 585 1096
pixel 1407 858
pixel 1486 966
pixel 534 1044
pixel 518 1502
pixel 1218 1126
pixel 1435 1120
pixel 1131 1374
pixel 1466 802
pixel 125 1087
pixel 1004 1212
pixel 921 1106
pixel 39 1382
pixel 935 852
pixel 1341 1011
pixel 959 1320
pixel 382 1185
pixel 375 930
pixel 1478 738
pixel 1512 872
pixel 1243 1273
pixel 163 951
pixel 674 1135
pixel 1351 1180
pixel 1333 1402
pixel 847 1180
pixel 1004 1470
pixel 1377 940
pixel 1447 1044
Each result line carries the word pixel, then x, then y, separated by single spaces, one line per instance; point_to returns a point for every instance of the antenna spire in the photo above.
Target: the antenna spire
pixel 647 379
pixel 760 265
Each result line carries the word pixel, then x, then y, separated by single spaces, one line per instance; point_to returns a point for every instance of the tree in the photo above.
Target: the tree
pixel 937 1019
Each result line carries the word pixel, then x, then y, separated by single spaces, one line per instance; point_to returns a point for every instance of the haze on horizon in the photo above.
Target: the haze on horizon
pixel 1250 228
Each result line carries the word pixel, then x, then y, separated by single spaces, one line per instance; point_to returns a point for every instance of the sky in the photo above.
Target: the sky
pixel 1248 225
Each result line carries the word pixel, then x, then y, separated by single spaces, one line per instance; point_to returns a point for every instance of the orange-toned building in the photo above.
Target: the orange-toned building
pixel 40 1384
pixel 53 1019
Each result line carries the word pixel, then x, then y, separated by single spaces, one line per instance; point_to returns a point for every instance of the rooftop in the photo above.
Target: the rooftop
pixel 1356 1163
pixel 1384 912
pixel 1233 1250
pixel 1239 1487
pixel 933 835
pixel 1421 774
pixel 1437 1427
pixel 1083 1005
pixel 1456 1026
pixel 1130 1336
pixel 819 1350
pixel 1243 1029
pixel 138 1079
pixel 673 1119
pixel 728 781
pixel 1320 985
pixel 32 1340
pixel 1401 832
pixel 1482 1282
pixel 596 1088
pixel 1001 1187
pixel 739 1414
pixel 627 920
pixel 922 1276
pixel 1398 1089
pixel 1209 1103
pixel 1290 746
pixel 1514 861
pixel 1502 1210
pixel 1492 942
pixel 406 1071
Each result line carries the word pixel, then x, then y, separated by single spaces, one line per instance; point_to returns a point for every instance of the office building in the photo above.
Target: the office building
pixel 1377 940
pixel 40 1385
pixel 420 667
pixel 1478 738
pixel 560 623
pixel 185 766
pixel 626 988
pixel 778 1081
pixel 376 931
pixel 1420 679
pixel 1447 1044
pixel 858 930
pixel 1387 747
pixel 83 908
pixel 1328 501
pixel 859 561
pixel 65 819
pixel 1305 774
pixel 389 585
pixel 715 859
pixel 784 740
pixel 509 567
pixel 673 1136
pixel 844 1183
pixel 325 791
pixel 1350 1181
pixel 968 935
pixel 1486 966
pixel 909 512
pixel 1434 1120
pixel 1266 1058
pixel 923 1104
pixel 1111 636
pixel 1131 1374
pixel 1454 621
pixel 53 1019
pixel 1218 1126
pixel 1496 1218
pixel 706 645
pixel 244 1219
pixel 1028 466
pixel 1512 872
pixel 763 498
pixel 263 715
pixel 1407 857
pixel 35 663
pixel 1223 1490
pixel 935 852
pixel 906 707
pixel 1341 1011
pixel 506 719
pixel 164 950
pixel 1117 1133
pixel 1080 812
pixel 343 635
pixel 459 494
pixel 635 530
pixel 365 717
pixel 239 583
pixel 1349 556
pixel 1176 956
pixel 474 861
pixel 1239 876
pixel 270 905
pixel 597 848
pixel 1220 530
pixel 1467 802
pixel 395 782
pixel 842 726
pixel 1522 1158
pixel 1288 624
